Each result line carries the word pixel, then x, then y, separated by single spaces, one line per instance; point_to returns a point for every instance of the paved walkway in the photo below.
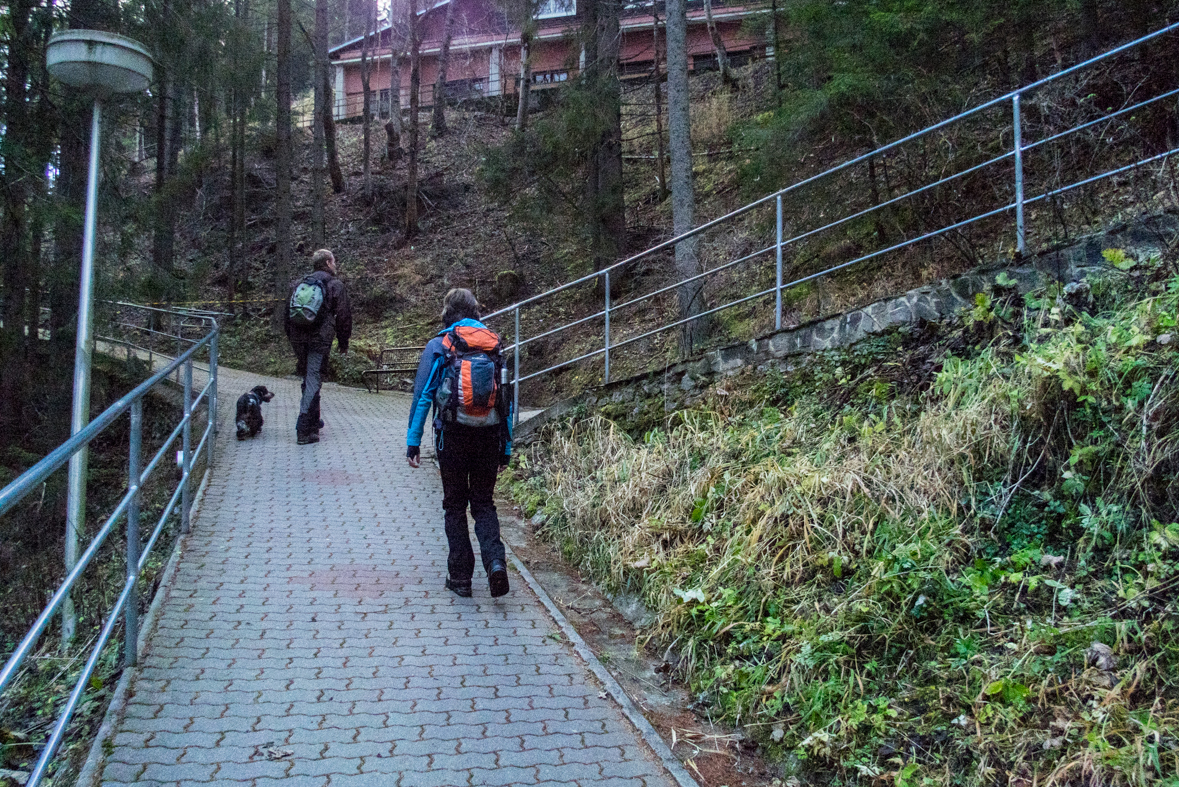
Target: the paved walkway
pixel 307 635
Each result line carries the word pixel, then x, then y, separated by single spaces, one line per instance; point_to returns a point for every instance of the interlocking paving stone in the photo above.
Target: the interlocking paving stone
pixel 307 636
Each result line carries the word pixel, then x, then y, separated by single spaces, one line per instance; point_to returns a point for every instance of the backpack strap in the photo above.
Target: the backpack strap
pixel 450 345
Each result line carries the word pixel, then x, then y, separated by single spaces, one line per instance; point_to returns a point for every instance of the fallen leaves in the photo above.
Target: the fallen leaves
pixel 1051 561
pixel 273 752
pixel 1101 656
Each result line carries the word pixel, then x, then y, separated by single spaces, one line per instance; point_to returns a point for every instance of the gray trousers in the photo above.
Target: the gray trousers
pixel 312 361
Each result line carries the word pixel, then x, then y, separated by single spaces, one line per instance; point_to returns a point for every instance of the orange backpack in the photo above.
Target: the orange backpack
pixel 473 378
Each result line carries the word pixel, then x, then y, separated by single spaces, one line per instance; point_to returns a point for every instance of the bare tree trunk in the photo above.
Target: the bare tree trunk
pixel 282 265
pixel 1091 32
pixel 439 127
pixel 661 152
pixel 722 56
pixel 13 237
pixel 366 111
pixel 43 119
pixel 393 130
pixel 196 115
pixel 318 230
pixel 415 84
pixel 524 93
pixel 67 231
pixel 176 133
pixel 265 49
pixel 606 208
pixel 167 163
pixel 236 192
pixel 777 52
pixel 329 135
pixel 683 201
pixel 161 252
pixel 395 89
pixel 877 219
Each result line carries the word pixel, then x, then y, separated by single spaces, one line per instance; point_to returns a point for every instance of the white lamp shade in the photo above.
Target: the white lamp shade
pixel 105 62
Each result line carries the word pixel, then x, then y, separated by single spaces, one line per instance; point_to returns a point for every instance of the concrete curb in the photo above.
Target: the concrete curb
pixel 652 738
pixel 91 771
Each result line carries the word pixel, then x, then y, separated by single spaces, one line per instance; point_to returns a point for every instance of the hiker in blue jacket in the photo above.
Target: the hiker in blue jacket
pixel 460 377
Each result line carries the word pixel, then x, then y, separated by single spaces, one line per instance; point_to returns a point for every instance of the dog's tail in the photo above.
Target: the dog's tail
pixel 243 430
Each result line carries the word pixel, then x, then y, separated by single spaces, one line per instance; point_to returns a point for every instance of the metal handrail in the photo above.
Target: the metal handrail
pixel 128 508
pixel 1014 153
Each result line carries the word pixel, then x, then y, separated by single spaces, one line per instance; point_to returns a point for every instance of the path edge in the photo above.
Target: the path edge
pixel 650 736
pixel 91 771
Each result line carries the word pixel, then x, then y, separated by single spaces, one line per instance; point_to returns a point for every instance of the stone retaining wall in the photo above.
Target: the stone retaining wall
pixel 1145 238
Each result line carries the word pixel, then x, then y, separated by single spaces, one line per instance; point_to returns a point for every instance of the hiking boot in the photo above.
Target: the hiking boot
pixel 304 432
pixel 497 579
pixel 459 587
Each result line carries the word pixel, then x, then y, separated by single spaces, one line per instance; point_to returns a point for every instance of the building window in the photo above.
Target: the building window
pixel 701 63
pixel 458 89
pixel 552 8
pixel 642 67
pixel 549 77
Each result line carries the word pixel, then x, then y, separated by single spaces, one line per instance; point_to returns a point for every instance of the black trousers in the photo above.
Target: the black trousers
pixel 468 458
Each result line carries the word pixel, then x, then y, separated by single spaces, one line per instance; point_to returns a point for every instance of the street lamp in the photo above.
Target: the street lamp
pixel 102 64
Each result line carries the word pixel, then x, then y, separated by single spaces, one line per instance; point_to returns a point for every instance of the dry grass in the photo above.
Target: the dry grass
pixel 919 574
pixel 712 120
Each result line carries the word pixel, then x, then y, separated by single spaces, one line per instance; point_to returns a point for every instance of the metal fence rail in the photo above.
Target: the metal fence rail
pixel 1009 166
pixel 128 509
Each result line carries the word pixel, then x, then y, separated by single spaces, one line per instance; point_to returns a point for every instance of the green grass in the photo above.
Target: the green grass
pixel 907 563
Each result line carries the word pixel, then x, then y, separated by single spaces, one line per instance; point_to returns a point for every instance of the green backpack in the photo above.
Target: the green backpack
pixel 306 303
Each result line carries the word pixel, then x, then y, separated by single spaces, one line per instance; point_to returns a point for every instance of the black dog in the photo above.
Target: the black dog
pixel 249 411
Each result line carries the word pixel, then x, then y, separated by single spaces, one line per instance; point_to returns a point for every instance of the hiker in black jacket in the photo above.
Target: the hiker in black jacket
pixel 333 320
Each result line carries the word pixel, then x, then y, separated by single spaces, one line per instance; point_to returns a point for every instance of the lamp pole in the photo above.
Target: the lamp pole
pixel 83 350
pixel 102 64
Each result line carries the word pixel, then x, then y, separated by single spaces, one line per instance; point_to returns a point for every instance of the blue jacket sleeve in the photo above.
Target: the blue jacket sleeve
pixel 424 386
pixel 511 418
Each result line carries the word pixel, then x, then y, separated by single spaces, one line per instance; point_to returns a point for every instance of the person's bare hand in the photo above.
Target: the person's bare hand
pixel 414 461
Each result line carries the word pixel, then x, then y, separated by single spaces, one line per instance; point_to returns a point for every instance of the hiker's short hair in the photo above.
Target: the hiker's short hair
pixel 459 304
pixel 321 258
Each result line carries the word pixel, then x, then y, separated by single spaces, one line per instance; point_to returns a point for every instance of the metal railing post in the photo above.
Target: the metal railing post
pixel 516 373
pixel 607 327
pixel 211 402
pixel 186 455
pixel 1020 229
pixel 778 274
pixel 131 614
